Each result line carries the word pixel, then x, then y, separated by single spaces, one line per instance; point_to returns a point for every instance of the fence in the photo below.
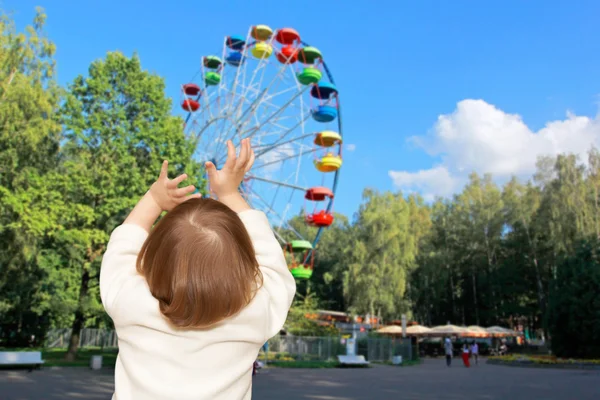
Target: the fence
pixel 87 338
pixel 284 348
pixel 383 349
pixel 288 348
pixel 305 348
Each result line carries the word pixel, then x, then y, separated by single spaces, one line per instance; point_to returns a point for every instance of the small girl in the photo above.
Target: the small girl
pixel 465 355
pixel 194 298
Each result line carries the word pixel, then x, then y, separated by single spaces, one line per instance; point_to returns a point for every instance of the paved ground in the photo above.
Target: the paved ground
pixel 432 380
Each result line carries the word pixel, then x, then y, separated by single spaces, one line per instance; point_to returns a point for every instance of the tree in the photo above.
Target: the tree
pixel 434 283
pixel 118 129
pixel 522 203
pixel 302 320
pixel 382 250
pixel 574 308
pixel 480 223
pixel 29 137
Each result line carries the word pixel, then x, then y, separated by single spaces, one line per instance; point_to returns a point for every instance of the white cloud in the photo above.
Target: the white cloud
pixel 430 182
pixel 480 137
pixel 350 147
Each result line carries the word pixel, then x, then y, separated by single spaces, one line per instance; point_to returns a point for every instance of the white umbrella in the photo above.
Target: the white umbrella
pixel 477 331
pixel 447 330
pixel 417 330
pixel 498 331
pixel 391 330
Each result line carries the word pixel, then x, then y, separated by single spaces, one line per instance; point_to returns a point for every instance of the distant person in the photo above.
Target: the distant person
pixel 196 296
pixel 475 352
pixel 465 355
pixel 503 349
pixel 448 351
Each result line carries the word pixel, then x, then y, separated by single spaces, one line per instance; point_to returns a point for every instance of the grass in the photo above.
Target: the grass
pixel 56 357
pixel 545 361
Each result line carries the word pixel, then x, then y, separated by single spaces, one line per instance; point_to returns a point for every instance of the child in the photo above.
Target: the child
pixel 194 298
pixel 465 355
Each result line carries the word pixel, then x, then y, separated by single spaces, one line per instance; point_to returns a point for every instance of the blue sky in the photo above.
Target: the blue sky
pixel 477 83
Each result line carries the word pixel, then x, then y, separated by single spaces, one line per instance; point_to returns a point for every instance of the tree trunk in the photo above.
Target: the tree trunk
pixel 596 226
pixel 475 298
pixel 79 318
pixel 452 292
pixel 538 277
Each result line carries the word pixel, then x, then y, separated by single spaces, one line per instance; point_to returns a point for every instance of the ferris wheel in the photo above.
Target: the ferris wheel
pixel 272 87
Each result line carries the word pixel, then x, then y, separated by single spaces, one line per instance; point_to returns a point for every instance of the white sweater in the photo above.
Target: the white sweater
pixel 158 362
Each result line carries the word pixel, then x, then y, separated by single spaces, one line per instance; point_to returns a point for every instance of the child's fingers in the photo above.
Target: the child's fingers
pixel 164 170
pixel 250 162
pixel 248 151
pixel 173 183
pixel 211 170
pixel 186 198
pixel 183 191
pixel 230 154
pixel 244 155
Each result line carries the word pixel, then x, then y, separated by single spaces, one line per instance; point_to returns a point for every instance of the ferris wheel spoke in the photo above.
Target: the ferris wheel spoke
pixel 284 159
pixel 208 125
pixel 283 135
pixel 279 237
pixel 275 95
pixel 281 109
pixel 274 182
pixel 260 100
pixel 276 78
pixel 277 144
pixel 262 64
pixel 235 126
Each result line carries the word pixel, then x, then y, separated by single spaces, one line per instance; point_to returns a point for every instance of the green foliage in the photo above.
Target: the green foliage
pixel 300 321
pixel 383 246
pixel 29 138
pixel 574 308
pixel 492 254
pixel 72 164
pixel 117 130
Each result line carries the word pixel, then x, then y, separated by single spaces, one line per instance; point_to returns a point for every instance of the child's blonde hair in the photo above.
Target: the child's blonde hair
pixel 200 264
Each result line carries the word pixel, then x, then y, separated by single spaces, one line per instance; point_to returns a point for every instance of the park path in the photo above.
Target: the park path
pixel 431 380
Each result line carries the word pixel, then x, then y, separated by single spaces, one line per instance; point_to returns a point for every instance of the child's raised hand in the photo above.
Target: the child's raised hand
pixel 226 181
pixel 166 193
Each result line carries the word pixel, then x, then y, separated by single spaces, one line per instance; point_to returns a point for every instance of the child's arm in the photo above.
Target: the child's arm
pixel 278 282
pixel 119 260
pixel 277 279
